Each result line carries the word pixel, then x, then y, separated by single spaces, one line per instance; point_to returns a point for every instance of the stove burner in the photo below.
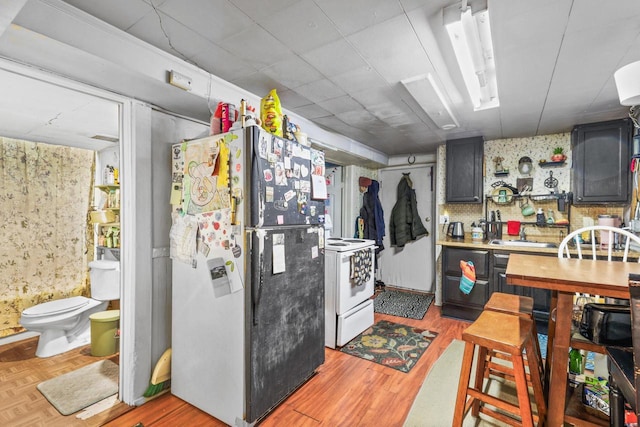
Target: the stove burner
pixel 339 244
pixel 334 238
pixel 353 241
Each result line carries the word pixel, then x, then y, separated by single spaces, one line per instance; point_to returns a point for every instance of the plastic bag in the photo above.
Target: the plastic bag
pixel 271 113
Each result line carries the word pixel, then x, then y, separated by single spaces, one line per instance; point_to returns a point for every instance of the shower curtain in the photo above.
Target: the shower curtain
pixel 45 194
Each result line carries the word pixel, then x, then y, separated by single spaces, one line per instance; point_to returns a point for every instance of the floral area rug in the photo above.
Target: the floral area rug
pixel 391 344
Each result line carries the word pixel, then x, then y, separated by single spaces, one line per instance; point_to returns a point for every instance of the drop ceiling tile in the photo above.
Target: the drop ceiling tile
pixel 259 84
pixel 360 118
pixel 264 10
pixel 302 27
pixel 354 15
pixel 291 99
pixel 340 104
pixel 358 79
pixel 334 58
pixel 119 13
pixel 394 61
pixel 223 64
pixel 292 72
pixel 215 20
pixel 320 90
pixel 591 14
pixel 179 40
pixel 379 96
pixel 388 109
pixel 312 111
pixel 256 46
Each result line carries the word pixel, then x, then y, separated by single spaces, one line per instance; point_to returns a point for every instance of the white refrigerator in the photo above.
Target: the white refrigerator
pixel 248 304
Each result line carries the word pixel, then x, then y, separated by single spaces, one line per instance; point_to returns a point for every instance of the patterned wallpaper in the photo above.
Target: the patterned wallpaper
pixel 44 199
pixel 511 150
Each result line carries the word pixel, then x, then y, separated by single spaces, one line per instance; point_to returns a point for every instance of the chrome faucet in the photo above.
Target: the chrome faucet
pixel 523 236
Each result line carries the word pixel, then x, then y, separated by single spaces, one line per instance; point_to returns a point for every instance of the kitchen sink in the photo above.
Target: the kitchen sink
pixel 522 243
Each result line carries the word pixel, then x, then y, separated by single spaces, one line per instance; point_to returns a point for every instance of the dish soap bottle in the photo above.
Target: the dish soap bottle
pixel 540 217
pixel 550 218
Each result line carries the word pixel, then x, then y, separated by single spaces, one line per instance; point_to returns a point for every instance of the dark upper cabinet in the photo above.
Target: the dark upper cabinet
pixel 601 155
pixel 464 170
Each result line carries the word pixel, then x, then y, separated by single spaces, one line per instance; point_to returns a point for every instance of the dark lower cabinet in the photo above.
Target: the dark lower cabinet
pixel 491 267
pixel 541 297
pixel 456 303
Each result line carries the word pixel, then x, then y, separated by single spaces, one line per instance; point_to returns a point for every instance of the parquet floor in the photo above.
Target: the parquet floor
pixel 346 391
pixel 21 404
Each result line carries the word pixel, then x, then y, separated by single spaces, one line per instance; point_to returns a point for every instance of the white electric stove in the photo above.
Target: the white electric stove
pixel 348 303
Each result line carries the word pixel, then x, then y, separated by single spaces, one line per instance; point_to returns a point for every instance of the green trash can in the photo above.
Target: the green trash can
pixel 104 332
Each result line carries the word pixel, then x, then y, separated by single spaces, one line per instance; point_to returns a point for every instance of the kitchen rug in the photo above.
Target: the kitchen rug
pixel 433 405
pixel 391 344
pixel 402 304
pixel 78 389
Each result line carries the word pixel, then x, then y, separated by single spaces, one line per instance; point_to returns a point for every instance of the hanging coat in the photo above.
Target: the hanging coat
pixel 373 215
pixel 405 224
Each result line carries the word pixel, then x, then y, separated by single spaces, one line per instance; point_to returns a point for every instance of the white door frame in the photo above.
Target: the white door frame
pixel 127 309
pixel 428 225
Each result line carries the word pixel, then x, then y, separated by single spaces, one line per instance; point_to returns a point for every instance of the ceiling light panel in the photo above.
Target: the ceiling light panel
pixel 431 99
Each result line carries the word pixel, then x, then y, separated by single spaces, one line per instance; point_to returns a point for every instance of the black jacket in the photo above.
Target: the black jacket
pixel 373 215
pixel 405 224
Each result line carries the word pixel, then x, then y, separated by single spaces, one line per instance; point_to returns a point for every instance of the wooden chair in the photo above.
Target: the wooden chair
pixel 521 306
pixel 624 385
pixel 624 238
pixel 509 334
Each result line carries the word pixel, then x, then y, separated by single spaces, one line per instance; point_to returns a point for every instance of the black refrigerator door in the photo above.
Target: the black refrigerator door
pixel 285 324
pixel 281 181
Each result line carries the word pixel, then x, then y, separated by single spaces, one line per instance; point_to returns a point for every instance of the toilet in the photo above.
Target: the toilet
pixel 64 324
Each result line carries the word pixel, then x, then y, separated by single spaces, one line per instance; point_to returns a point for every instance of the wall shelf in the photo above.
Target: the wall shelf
pixel 552 164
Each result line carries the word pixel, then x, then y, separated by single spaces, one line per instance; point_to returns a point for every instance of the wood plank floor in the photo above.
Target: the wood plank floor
pixel 346 391
pixel 21 404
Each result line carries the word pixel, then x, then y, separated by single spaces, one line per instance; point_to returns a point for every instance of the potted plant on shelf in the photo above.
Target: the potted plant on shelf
pixel 558 155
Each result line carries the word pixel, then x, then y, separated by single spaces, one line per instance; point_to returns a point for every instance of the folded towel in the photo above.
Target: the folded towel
pixel 468 278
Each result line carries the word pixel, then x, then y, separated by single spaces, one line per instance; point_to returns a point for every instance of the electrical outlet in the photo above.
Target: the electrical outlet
pixel 444 219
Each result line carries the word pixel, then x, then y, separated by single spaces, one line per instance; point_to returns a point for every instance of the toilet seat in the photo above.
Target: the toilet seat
pixel 56 307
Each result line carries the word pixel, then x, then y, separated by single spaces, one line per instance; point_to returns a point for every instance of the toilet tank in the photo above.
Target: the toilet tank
pixel 105 280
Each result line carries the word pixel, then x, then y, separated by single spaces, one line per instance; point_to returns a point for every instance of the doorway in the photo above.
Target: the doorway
pixel 410 267
pixel 41 107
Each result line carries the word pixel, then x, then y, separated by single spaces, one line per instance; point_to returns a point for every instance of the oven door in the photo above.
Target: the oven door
pixel 349 294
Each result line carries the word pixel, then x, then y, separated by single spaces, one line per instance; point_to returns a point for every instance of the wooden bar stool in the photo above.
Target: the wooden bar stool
pixel 522 306
pixel 509 334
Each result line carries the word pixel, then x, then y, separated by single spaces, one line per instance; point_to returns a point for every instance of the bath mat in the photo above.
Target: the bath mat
pixel 391 344
pixel 402 304
pixel 78 389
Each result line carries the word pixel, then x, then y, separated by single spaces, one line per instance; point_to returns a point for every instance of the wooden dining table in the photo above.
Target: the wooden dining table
pixel 564 277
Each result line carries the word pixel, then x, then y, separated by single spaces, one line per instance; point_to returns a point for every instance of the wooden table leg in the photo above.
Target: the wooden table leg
pixel 560 360
pixel 551 334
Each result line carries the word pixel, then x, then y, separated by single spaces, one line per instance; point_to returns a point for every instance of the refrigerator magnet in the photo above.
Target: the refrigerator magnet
pixel 278 254
pixel 268 194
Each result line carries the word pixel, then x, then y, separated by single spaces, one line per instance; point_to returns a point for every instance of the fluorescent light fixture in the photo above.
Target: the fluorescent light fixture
pixel 628 83
pixel 431 99
pixel 469 29
pixel 321 145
